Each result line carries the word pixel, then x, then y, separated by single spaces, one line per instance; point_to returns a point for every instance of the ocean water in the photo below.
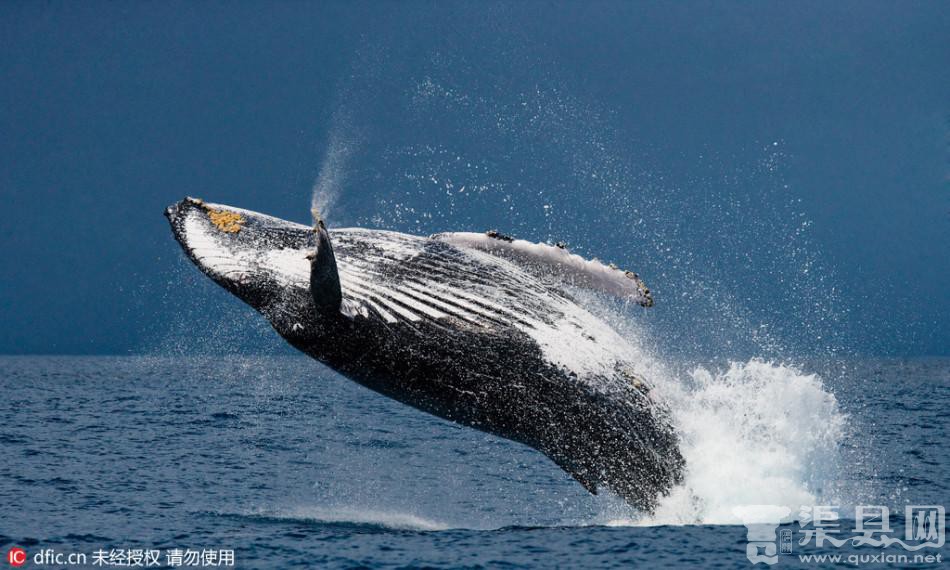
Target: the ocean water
pixel 290 465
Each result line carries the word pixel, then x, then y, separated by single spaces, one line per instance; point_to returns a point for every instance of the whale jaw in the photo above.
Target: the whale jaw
pixel 260 259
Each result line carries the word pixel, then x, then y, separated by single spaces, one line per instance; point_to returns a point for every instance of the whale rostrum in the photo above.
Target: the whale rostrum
pixel 481 329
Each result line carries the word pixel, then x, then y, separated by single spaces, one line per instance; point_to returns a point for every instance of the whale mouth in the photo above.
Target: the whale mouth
pixel 256 257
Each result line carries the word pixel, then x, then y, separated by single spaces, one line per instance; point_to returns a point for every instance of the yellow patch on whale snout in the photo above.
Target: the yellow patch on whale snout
pixel 229 222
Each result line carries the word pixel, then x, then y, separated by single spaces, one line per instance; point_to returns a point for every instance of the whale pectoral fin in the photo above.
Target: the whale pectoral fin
pixel 554 261
pixel 324 277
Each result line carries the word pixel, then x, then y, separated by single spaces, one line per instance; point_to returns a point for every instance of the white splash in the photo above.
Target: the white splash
pixel 388 519
pixel 333 170
pixel 756 433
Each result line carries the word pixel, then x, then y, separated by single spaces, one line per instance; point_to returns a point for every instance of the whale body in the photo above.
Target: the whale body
pixel 479 329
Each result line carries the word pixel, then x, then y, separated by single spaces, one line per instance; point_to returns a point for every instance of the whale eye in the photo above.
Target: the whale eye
pixel 228 222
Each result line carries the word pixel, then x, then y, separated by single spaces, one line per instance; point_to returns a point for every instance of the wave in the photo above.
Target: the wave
pixel 355 516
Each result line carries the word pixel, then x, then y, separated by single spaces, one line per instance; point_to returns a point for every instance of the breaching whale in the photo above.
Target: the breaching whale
pixel 480 329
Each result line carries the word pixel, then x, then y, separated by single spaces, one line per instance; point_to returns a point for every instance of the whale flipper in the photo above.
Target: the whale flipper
pixel 554 261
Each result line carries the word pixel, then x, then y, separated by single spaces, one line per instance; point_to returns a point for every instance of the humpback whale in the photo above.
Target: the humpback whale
pixel 479 329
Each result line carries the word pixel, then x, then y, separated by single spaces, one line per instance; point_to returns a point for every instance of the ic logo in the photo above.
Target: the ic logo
pixel 16 556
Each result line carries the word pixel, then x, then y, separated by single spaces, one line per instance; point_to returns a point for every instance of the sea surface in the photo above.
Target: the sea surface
pixel 290 465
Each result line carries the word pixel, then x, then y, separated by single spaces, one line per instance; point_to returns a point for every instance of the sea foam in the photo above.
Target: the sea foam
pixel 755 432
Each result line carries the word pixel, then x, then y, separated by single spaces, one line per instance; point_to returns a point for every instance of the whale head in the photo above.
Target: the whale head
pixel 264 261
